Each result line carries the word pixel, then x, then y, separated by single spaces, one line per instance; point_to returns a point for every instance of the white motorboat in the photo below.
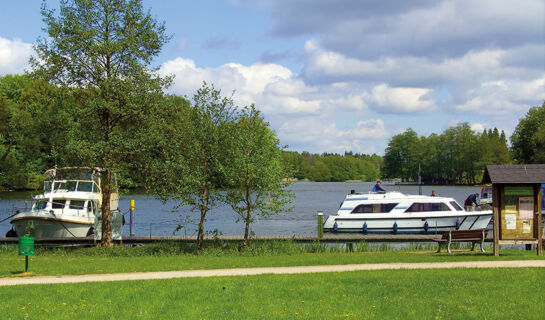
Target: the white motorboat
pixel 67 207
pixel 395 212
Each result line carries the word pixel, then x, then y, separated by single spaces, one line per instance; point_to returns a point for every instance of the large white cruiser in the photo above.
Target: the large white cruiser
pixel 67 207
pixel 395 212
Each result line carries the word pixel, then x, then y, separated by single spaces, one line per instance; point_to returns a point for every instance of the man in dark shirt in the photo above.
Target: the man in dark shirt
pixel 471 201
pixel 378 188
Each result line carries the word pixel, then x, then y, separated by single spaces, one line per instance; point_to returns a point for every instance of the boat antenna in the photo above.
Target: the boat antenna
pixel 419 180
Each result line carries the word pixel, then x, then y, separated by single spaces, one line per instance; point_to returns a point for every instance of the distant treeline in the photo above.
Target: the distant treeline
pixel 457 156
pixel 333 167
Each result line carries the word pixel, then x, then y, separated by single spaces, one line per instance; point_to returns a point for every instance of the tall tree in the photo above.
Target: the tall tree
pixel 528 140
pixel 255 170
pixel 102 52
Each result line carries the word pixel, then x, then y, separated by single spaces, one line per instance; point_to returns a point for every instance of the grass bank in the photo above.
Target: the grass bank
pixel 170 256
pixel 393 294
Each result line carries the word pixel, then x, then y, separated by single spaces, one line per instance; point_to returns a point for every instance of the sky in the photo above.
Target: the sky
pixel 335 76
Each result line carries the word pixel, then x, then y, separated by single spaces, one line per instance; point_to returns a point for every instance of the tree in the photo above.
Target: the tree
pixel 192 170
pixel 402 156
pixel 528 140
pixel 101 51
pixel 255 170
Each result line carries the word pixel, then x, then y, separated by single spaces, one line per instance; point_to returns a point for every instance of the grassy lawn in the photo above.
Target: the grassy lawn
pixel 392 294
pixel 173 256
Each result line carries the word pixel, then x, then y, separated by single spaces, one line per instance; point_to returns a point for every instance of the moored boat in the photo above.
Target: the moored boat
pixel 395 212
pixel 67 207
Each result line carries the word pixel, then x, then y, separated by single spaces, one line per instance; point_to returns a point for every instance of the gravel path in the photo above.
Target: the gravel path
pixel 12 281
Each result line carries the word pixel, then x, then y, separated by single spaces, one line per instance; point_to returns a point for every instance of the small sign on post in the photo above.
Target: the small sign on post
pixel 26 248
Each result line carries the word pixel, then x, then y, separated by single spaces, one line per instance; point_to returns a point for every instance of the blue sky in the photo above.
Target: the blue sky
pixel 331 76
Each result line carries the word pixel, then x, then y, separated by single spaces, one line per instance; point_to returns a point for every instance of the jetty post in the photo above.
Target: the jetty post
pixel 132 218
pixel 320 225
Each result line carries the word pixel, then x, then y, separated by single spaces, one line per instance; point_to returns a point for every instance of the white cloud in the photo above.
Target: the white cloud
pixel 14 55
pixel 320 135
pixel 503 97
pixel 402 100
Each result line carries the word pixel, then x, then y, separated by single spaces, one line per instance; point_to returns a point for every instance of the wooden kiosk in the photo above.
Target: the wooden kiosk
pixel 516 194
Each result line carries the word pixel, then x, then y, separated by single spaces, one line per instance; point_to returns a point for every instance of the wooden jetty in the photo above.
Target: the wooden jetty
pixel 335 238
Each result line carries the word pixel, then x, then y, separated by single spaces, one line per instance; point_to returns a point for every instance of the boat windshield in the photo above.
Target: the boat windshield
pixel 71 185
pixel 85 186
pixel 456 205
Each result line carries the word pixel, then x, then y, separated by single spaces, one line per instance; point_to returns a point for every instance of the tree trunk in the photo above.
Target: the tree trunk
pixel 204 205
pixel 248 216
pixel 106 214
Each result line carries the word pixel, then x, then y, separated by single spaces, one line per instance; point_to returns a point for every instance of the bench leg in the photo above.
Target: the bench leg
pixel 472 245
pixel 438 247
pixel 482 245
pixel 448 247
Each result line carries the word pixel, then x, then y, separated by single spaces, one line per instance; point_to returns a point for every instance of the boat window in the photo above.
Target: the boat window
pixel 59 204
pixel 91 206
pixel 456 205
pixel 76 204
pixel 59 186
pixel 85 186
pixel 71 185
pixel 374 208
pixel 47 186
pixel 40 205
pixel 423 207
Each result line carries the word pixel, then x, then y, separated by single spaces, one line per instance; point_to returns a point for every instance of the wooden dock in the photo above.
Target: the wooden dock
pixel 334 238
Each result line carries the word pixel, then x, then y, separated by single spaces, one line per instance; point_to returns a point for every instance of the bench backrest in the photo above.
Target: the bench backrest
pixel 465 234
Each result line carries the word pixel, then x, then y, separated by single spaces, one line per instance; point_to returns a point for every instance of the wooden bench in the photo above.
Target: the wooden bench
pixel 472 236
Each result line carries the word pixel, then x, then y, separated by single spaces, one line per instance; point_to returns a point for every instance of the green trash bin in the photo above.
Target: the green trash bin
pixel 26 246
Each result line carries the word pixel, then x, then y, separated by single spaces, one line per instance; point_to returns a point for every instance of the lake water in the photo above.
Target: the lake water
pixel 158 219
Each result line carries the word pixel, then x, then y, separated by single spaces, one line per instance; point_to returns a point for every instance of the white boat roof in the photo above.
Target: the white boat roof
pixel 393 195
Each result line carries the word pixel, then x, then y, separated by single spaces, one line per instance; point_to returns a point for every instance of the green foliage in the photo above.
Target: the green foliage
pixel 458 155
pixel 255 169
pixel 333 167
pixel 33 121
pixel 100 52
pixel 528 140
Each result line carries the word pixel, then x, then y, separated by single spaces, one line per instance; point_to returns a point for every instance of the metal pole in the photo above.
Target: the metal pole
pixel 26 263
pixel 419 180
pixel 132 219
pixel 320 225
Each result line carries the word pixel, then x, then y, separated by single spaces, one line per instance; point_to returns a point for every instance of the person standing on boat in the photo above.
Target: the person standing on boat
pixel 378 188
pixel 471 202
pixel 433 194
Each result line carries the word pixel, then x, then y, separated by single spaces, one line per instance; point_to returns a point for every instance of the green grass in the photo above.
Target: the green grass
pixel 392 294
pixel 175 256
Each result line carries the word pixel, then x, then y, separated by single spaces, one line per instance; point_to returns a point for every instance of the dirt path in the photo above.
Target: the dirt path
pixel 268 270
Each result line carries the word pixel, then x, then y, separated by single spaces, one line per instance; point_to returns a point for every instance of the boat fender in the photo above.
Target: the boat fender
pixel 11 233
pixel 395 227
pixel 457 224
pixel 365 227
pixel 426 226
pixel 335 227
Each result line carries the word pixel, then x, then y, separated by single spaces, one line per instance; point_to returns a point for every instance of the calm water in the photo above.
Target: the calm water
pixel 152 216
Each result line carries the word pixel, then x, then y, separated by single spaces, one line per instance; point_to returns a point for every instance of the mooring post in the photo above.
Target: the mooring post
pixel 132 219
pixel 320 225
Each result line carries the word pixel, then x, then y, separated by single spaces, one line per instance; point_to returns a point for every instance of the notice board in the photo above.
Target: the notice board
pixel 517 215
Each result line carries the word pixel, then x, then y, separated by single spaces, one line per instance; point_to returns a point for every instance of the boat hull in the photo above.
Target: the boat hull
pixel 419 224
pixel 44 227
